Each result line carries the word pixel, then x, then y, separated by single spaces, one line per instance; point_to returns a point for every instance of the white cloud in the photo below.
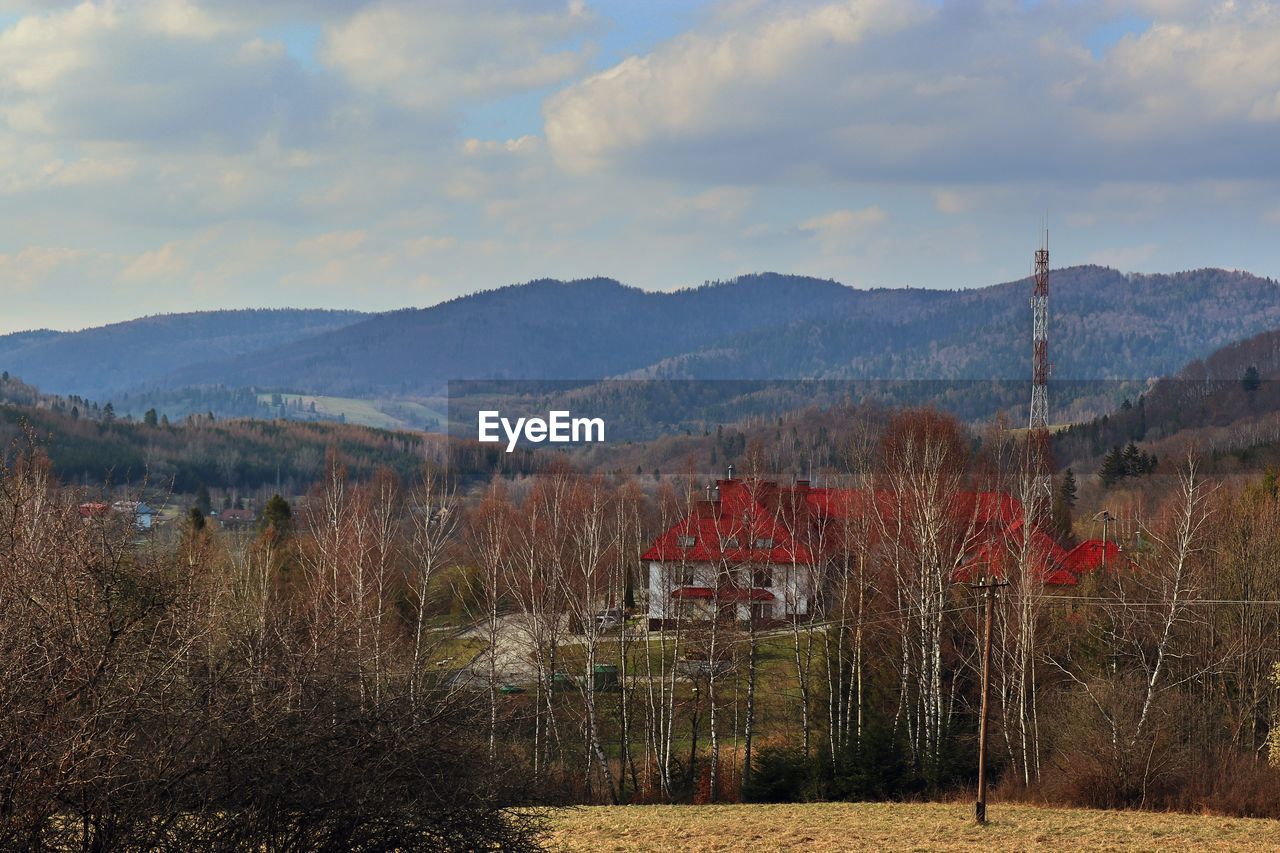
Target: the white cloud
pixel 911 90
pixel 521 145
pixel 429 56
pixel 38 51
pixel 844 222
pixel 333 243
pixel 183 19
pixel 88 170
pixel 166 262
pixel 26 269
pixel 428 244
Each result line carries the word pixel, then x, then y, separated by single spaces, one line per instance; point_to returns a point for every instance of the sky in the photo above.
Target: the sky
pixel 178 155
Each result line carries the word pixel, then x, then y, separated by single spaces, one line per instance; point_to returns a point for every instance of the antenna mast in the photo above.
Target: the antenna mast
pixel 1039 422
pixel 1040 341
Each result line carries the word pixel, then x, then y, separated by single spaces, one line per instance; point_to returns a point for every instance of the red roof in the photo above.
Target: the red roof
pixel 738 528
pixel 89 510
pixel 1088 555
pixel 756 521
pixel 726 593
pixel 236 515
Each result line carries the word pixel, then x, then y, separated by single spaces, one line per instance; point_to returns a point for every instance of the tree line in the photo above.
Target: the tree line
pixel 406 661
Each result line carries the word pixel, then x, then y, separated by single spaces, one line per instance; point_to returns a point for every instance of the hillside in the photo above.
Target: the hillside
pixel 103 361
pixel 1208 404
pixel 545 329
pixel 1104 325
pixel 89 446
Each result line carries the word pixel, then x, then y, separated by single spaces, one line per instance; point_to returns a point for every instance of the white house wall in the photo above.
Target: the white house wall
pixel 790 586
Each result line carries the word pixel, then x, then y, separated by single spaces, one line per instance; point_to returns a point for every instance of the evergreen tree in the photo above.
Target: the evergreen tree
pixel 1112 469
pixel 1064 498
pixel 195 519
pixel 277 517
pixel 151 418
pixel 1130 461
pixel 203 502
pixel 1251 381
pixel 1068 488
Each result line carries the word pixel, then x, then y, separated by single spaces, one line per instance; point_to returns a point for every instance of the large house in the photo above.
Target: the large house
pixel 752 547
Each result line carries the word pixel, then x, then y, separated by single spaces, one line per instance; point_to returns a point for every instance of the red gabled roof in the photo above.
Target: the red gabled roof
pixel 730 529
pixel 751 510
pixel 1087 556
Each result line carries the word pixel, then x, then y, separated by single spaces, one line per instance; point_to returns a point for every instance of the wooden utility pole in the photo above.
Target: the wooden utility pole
pixel 988 588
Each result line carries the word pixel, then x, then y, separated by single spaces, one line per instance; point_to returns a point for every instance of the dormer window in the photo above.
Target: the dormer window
pixel 729 542
pixel 686 541
pixel 764 543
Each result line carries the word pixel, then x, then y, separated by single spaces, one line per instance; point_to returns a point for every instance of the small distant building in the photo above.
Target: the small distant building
pixel 141 513
pixel 237 517
pixel 92 509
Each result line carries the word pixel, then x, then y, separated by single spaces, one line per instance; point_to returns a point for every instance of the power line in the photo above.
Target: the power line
pixel 1123 602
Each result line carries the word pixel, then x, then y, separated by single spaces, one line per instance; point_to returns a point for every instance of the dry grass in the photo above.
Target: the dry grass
pixel 887 826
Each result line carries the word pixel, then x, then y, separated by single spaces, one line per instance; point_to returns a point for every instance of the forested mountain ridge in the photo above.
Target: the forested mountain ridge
pixel 545 329
pixel 102 361
pixel 1225 406
pixel 1103 324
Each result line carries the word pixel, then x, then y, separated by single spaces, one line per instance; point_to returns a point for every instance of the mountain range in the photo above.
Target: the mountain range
pixel 100 362
pixel 1103 325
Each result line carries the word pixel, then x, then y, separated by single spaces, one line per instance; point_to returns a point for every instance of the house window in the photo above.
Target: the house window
pixel 762 576
pixel 764 542
pixel 681 574
pixel 686 541
pixel 729 542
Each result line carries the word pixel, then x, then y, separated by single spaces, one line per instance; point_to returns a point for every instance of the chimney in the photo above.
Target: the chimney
pixel 730 477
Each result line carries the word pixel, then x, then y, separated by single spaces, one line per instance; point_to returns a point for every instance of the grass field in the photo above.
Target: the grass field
pixel 364 412
pixel 890 826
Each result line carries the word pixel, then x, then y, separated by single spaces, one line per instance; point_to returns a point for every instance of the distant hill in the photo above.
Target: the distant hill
pixel 1103 324
pixel 546 329
pixel 1208 405
pixel 103 361
pixel 90 446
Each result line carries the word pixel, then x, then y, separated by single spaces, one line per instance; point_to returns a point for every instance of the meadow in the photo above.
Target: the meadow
pixel 897 826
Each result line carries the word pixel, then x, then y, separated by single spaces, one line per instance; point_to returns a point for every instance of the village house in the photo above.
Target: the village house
pixel 236 517
pixel 138 512
pixel 753 549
